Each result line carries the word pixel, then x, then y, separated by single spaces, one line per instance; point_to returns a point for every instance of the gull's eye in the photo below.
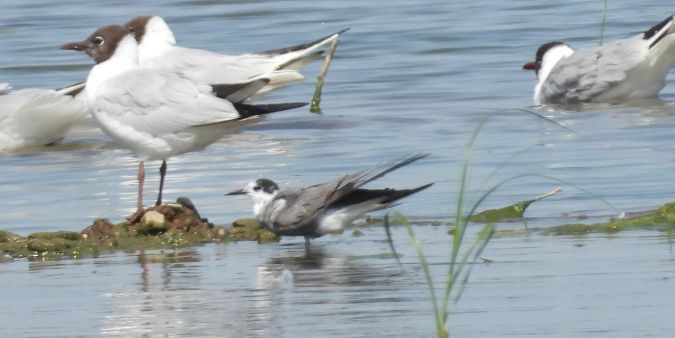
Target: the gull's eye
pixel 257 188
pixel 99 40
pixel 131 29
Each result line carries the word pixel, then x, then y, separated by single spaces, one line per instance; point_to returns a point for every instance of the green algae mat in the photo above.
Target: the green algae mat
pixel 174 225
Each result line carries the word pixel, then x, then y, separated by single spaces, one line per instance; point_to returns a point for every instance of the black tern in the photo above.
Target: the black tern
pixel 324 208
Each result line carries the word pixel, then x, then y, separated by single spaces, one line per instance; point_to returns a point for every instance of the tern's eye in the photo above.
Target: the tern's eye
pixel 99 40
pixel 257 188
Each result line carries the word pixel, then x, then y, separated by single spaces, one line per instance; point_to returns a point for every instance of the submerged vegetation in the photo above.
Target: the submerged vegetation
pixel 661 219
pixel 172 226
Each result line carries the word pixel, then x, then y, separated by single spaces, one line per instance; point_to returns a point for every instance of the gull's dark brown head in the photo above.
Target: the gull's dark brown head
pixel 539 57
pixel 137 26
pixel 100 45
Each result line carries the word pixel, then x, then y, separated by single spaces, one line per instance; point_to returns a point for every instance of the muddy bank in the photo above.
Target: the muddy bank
pixel 180 225
pixel 164 226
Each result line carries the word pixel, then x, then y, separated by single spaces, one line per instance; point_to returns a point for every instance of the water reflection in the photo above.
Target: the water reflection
pixel 159 298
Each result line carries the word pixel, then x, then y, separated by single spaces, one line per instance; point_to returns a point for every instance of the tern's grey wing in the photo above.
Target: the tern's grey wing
pixel 587 74
pixel 297 209
pixel 361 178
pixel 159 103
pixel 300 208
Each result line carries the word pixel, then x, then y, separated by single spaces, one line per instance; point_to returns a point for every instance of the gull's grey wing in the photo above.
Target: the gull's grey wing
pixel 587 74
pixel 208 67
pixel 160 103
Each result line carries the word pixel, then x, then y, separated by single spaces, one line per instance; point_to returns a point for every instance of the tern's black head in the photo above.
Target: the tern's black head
pixel 539 56
pixel 265 185
pixel 101 44
pixel 261 187
pixel 138 25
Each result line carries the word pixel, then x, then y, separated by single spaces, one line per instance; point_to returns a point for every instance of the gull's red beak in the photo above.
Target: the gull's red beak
pixel 77 46
pixel 534 65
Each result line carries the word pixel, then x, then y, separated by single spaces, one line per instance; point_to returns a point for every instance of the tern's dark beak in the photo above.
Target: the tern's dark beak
pixel 236 192
pixel 534 65
pixel 77 46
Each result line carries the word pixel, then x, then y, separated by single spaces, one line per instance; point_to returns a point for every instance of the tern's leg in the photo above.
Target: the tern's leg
pixel 162 173
pixel 306 246
pixel 136 217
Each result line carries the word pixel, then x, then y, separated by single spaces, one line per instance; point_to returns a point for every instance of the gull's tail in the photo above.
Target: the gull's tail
pixel 659 31
pixel 71 90
pixel 288 61
pixel 296 57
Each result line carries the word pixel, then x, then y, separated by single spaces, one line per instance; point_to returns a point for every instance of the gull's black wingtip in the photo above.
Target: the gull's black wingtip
pixel 659 31
pixel 342 31
pixel 248 110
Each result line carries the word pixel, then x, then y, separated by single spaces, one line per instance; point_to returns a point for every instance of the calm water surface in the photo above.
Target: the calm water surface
pixel 407 77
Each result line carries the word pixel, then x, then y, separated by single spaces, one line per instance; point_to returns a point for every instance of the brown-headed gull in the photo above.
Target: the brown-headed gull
pixel 158 49
pixel 154 113
pixel 632 68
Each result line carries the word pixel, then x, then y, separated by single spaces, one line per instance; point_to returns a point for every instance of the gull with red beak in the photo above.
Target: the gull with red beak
pixel 632 68
pixel 157 49
pixel 155 114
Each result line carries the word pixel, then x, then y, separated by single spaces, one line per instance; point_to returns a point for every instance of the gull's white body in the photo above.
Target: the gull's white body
pixel 632 68
pixel 158 50
pixel 5 88
pixel 153 113
pixel 36 117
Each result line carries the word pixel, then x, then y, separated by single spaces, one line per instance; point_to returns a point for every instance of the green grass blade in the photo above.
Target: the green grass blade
pixel 603 23
pixel 440 325
pixel 387 230
pixel 477 248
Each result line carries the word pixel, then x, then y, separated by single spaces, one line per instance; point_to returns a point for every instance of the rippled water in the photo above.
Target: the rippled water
pixel 407 77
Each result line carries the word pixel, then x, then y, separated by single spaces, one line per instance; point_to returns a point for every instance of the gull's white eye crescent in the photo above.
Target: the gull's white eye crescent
pixel 99 40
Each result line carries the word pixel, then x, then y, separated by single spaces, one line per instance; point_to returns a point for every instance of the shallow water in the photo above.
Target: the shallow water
pixel 406 78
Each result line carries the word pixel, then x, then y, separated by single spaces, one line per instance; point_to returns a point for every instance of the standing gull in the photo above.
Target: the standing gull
pixel 156 114
pixel 632 68
pixel 158 49
pixel 324 208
